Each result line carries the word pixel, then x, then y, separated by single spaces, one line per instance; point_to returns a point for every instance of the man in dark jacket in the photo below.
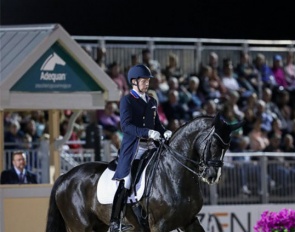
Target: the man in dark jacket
pixel 140 125
pixel 18 174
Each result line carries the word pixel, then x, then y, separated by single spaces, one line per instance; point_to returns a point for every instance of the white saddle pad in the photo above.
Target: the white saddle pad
pixel 106 188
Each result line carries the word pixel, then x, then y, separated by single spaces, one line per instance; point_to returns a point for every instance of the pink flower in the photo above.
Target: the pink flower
pixel 276 222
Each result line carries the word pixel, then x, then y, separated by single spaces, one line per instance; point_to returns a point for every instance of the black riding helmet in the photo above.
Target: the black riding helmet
pixel 139 71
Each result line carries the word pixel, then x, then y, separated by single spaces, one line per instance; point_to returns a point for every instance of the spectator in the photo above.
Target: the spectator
pixel 206 89
pixel 39 117
pixel 216 83
pixel 93 136
pixel 274 144
pixel 173 109
pixel 282 100
pixel 214 63
pixel 173 69
pixel 258 137
pixel 266 119
pixel 230 117
pixel 13 137
pixel 79 126
pixel 27 142
pixel 18 174
pixel 173 125
pixel 291 130
pixel 115 142
pixel 113 135
pixel 155 85
pixel 288 145
pixel 30 128
pixel 289 70
pixel 210 108
pixel 74 141
pixel 161 113
pixel 109 116
pixel 184 95
pixel 278 71
pixel 250 102
pixel 152 64
pixel 249 118
pixel 232 100
pixel 276 127
pixel 101 58
pixel 265 72
pixel 247 74
pixel 196 101
pixel 114 71
pixel 8 118
pixel 271 107
pixel 228 78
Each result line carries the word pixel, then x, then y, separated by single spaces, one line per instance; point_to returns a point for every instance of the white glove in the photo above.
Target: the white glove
pixel 167 134
pixel 155 135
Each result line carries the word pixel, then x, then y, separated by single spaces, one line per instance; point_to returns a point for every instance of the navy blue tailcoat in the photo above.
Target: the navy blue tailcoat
pixel 137 117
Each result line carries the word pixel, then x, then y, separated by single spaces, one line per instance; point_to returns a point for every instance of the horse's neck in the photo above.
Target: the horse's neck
pixel 175 177
pixel 176 157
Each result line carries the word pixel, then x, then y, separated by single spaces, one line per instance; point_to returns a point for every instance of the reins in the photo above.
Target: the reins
pixel 176 156
pixel 186 158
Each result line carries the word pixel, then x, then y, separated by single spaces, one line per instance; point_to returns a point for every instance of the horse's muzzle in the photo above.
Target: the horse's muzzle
pixel 215 163
pixel 211 175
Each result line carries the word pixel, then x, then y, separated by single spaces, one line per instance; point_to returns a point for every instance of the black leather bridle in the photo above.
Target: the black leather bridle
pixel 203 164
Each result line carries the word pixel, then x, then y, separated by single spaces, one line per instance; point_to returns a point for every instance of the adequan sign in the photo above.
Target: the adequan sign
pixel 56 71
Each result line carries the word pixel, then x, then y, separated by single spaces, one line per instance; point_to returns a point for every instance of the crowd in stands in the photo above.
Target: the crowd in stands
pixel 261 94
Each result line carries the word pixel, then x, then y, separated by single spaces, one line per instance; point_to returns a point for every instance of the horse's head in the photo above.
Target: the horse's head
pixel 211 146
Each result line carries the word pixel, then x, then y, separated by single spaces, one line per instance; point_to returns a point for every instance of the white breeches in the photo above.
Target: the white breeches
pixel 142 147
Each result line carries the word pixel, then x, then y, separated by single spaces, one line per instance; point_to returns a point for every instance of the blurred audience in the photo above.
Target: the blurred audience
pixel 262 95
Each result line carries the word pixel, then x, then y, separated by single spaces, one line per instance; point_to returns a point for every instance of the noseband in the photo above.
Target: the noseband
pixel 224 145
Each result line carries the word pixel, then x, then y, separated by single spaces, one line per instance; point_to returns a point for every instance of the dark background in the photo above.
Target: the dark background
pixel 198 19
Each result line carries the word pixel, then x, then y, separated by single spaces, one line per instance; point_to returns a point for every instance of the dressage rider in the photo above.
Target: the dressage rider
pixel 140 125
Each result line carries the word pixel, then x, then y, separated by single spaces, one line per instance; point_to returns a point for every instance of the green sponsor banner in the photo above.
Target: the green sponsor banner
pixel 56 71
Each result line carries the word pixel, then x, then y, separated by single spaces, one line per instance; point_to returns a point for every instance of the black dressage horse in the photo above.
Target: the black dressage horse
pixel 195 152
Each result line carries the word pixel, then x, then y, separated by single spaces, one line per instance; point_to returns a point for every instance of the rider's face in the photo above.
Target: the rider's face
pixel 143 84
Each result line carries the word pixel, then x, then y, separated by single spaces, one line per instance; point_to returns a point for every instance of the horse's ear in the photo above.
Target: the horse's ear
pixel 219 120
pixel 223 129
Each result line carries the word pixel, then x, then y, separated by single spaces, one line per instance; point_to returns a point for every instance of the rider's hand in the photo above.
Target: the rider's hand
pixel 155 135
pixel 167 134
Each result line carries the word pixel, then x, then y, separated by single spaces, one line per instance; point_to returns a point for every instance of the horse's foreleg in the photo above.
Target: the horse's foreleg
pixel 194 227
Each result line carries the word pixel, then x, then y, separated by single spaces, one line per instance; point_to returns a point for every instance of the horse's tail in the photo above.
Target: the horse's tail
pixel 55 221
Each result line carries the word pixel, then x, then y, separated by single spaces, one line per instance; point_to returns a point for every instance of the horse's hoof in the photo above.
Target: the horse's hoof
pixel 118 227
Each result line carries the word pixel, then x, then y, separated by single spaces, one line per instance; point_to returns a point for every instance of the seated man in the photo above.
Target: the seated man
pixel 18 174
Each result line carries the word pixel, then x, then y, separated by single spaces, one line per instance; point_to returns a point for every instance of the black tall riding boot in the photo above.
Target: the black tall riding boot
pixel 118 204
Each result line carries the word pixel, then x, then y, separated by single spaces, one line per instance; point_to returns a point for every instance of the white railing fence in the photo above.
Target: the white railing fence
pixel 190 51
pixel 247 178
